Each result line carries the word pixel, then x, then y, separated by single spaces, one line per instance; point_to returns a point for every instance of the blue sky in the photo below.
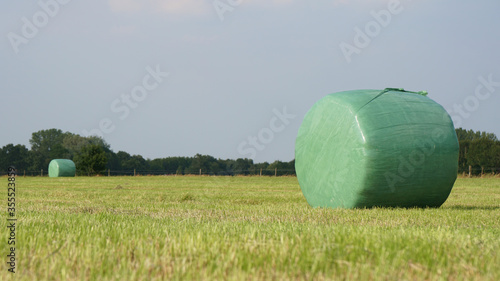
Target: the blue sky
pixel 233 73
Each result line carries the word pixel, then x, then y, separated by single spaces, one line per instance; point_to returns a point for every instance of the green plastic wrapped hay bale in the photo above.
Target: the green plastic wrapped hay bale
pixel 61 168
pixel 367 148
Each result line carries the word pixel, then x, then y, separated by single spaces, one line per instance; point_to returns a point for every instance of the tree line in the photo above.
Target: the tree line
pixel 478 150
pixel 92 155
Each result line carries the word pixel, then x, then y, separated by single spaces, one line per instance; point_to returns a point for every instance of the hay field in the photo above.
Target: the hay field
pixel 243 228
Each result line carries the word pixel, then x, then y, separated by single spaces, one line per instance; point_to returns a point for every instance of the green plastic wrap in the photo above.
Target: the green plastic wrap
pixel 367 148
pixel 61 168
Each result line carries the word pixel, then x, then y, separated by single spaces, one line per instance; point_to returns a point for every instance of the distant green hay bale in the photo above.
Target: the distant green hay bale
pixel 369 148
pixel 62 168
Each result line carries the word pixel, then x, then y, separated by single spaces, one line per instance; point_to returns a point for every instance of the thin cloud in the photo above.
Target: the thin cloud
pixel 204 7
pixel 174 7
pixel 184 7
pixel 125 5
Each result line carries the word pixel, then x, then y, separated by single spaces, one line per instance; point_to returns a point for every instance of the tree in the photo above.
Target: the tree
pixel 91 159
pixel 477 149
pixel 242 166
pixel 121 158
pixel 175 164
pixel 136 162
pixel 74 143
pixel 262 166
pixel 14 155
pixel 496 155
pixel 45 146
pixel 214 168
pixel 156 165
pixel 113 162
pixel 471 135
pixel 202 162
pixel 180 171
pixel 482 153
pixel 464 147
pixel 229 167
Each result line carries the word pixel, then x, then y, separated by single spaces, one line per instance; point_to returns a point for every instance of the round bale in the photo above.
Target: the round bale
pixel 62 168
pixel 368 148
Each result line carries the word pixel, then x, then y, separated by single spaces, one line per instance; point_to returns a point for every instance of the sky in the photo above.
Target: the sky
pixel 234 79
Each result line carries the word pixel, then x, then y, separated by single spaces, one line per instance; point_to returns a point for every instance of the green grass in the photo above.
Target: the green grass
pixel 243 228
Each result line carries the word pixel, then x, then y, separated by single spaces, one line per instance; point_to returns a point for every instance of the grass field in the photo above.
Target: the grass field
pixel 243 228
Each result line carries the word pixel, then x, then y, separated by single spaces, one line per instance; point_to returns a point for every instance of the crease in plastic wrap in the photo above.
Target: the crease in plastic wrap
pixel 62 168
pixel 373 148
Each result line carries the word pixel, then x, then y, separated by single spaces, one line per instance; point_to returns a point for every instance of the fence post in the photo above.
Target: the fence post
pixel 109 171
pixel 134 172
pixel 41 172
pixel 275 172
pixel 200 172
pixel 470 170
pixel 261 172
